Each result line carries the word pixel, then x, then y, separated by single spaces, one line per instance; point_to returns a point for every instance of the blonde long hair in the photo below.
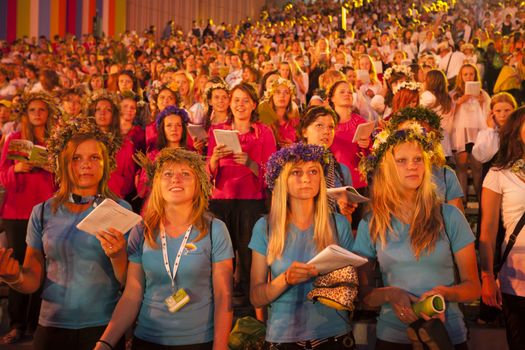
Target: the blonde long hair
pixel 279 217
pixel 387 200
pixel 155 208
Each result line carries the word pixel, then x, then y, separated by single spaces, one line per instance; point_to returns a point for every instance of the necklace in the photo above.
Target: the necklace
pixel 78 199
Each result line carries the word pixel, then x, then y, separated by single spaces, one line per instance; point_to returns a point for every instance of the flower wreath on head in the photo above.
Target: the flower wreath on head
pixel 417 114
pixel 214 86
pixel 398 68
pixel 81 125
pixel 130 95
pixel 409 85
pixel 92 99
pixel 172 110
pixel 20 108
pixel 157 86
pixel 389 138
pixel 278 82
pixel 297 152
pixel 176 155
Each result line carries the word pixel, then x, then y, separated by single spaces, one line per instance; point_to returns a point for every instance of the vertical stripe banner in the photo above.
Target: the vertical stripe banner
pixel 71 16
pixel 53 18
pixel 120 16
pixel 105 16
pixel 44 15
pixel 3 20
pixel 62 14
pixel 78 19
pixel 34 18
pixel 111 18
pixel 11 20
pixel 23 18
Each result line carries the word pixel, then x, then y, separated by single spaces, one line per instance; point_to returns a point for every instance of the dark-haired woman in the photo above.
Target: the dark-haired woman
pixel 503 192
pixel 239 193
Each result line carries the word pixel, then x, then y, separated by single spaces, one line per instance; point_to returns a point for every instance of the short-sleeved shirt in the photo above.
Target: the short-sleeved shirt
pixel 448 186
pixel 512 190
pixel 292 317
pixel 400 268
pixel 80 289
pixel 193 323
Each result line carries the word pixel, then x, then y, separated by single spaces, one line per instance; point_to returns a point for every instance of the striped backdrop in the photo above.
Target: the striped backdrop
pixel 32 18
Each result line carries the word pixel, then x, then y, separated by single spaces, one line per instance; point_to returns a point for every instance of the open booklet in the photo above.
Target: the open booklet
pixel 229 138
pixel 335 257
pixel 351 194
pixel 109 214
pixel 363 131
pixel 472 88
pixel 26 151
pixel 197 132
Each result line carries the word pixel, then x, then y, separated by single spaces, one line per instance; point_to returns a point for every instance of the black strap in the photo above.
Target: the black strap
pixel 448 64
pixel 42 216
pixel 510 244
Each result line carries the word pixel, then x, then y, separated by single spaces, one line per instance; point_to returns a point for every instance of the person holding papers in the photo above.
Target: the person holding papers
pixel 470 114
pixel 298 227
pixel 317 127
pixel 416 239
pixel 239 192
pixel 26 184
pixel 344 148
pixel 81 273
pixel 180 272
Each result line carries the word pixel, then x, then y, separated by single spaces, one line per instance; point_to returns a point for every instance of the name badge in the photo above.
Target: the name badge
pixel 177 300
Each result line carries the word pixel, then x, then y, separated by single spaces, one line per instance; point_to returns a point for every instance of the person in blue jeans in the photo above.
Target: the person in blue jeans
pixel 299 225
pixel 179 252
pixel 415 238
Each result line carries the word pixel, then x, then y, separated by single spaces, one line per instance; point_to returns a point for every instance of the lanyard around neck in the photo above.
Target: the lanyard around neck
pixel 179 254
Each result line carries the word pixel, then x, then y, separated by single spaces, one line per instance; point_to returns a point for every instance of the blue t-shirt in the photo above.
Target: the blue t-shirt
pixel 292 317
pixel 447 183
pixel 347 178
pixel 193 323
pixel 80 289
pixel 400 268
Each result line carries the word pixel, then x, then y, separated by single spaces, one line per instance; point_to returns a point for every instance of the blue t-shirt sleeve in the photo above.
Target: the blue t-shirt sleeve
pixel 453 189
pixel 346 238
pixel 135 244
pixel 222 245
pixel 34 228
pixel 363 244
pixel 259 241
pixel 457 227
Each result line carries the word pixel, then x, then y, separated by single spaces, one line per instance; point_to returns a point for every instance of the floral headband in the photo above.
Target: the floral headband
pixel 297 152
pixel 157 86
pixel 398 68
pixel 417 114
pixel 78 126
pixel 388 139
pixel 408 85
pixel 91 100
pixel 215 86
pixel 172 110
pixel 176 155
pixel 278 82
pixel 20 108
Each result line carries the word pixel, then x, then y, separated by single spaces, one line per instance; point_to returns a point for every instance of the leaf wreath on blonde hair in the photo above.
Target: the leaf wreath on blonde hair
pixel 75 127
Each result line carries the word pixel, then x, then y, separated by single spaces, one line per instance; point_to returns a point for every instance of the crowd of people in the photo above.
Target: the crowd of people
pixel 135 119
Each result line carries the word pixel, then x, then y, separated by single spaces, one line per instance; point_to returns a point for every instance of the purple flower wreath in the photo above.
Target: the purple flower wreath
pixel 297 152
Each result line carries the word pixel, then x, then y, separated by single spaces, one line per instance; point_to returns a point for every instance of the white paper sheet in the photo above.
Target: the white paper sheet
pixel 109 214
pixel 335 257
pixel 363 75
pixel 472 88
pixel 197 132
pixel 351 194
pixel 230 138
pixel 363 131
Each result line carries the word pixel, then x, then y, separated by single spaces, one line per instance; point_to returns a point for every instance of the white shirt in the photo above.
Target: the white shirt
pixel 512 189
pixel 456 61
pixel 487 145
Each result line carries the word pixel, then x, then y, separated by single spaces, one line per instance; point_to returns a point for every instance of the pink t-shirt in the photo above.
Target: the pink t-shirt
pixel 122 178
pixel 236 181
pixel 348 152
pixel 22 190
